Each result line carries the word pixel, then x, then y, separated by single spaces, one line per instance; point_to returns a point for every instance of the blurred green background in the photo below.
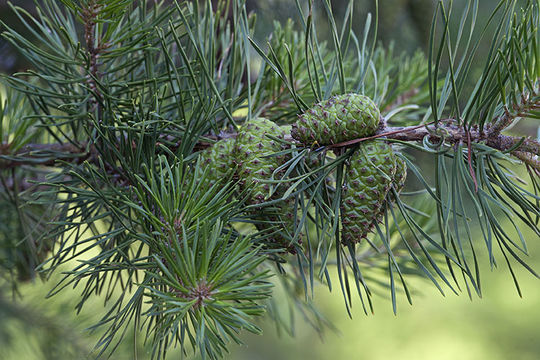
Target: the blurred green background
pixel 500 326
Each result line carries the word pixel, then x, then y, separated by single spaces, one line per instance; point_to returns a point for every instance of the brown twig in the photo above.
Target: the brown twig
pixel 44 155
pixel 384 132
pixel 95 48
pixel 48 154
pixel 521 109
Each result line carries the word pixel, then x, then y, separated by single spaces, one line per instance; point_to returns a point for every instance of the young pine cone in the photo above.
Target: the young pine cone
pixel 253 153
pixel 373 170
pixel 338 119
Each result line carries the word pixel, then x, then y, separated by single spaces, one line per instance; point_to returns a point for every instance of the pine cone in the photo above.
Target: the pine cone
pixel 372 170
pixel 398 182
pixel 220 159
pixel 338 119
pixel 252 152
pixel 401 174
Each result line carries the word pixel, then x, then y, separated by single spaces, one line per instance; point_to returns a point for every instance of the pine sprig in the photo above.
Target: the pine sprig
pixel 208 282
pixel 100 159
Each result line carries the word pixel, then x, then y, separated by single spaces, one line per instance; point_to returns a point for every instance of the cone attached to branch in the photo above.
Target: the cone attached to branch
pixel 372 171
pixel 254 152
pixel 220 160
pixel 340 118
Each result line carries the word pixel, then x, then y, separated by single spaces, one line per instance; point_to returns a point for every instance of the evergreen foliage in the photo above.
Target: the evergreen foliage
pixel 120 164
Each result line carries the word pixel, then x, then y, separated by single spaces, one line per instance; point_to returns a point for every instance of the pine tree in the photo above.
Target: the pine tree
pixel 147 158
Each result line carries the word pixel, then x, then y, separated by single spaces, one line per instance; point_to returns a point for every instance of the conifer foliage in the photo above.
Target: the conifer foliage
pixel 148 158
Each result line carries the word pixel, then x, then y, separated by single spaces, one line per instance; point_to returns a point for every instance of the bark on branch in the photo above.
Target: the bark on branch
pixel 524 148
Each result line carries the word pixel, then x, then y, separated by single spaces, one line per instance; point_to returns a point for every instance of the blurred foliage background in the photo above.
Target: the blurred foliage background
pixel 499 326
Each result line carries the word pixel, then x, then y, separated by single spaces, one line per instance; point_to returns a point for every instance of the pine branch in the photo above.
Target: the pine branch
pixel 524 149
pixel 528 102
pixel 89 15
pixel 454 134
pixel 130 97
pixel 43 154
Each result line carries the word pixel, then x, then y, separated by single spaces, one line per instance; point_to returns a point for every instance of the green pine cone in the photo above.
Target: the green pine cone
pixel 255 166
pixel 219 158
pixel 372 170
pixel 252 152
pixel 398 182
pixel 338 119
pixel 401 174
pixel 282 214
